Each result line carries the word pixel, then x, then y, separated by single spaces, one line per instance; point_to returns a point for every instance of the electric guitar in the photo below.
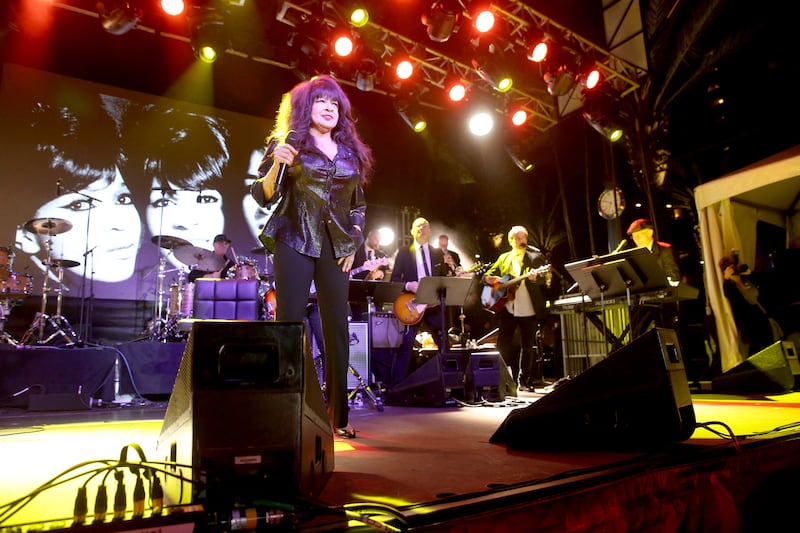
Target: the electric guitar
pixel 370 265
pixel 406 310
pixel 494 297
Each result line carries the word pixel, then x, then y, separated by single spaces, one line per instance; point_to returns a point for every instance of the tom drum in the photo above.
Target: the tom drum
pixel 181 299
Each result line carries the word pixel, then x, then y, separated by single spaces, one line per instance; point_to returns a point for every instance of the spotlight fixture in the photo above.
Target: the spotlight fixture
pixel 173 8
pixel 359 16
pixel 522 163
pixel 497 80
pixel 602 122
pixel 559 81
pixel 119 17
pixel 404 68
pixel 590 76
pixel 409 111
pixel 209 37
pixel 600 111
pixel 484 19
pixel 455 88
pixel 538 47
pixel 441 19
pixel 366 74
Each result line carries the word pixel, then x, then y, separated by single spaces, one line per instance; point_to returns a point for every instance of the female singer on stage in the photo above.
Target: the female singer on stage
pixel 314 170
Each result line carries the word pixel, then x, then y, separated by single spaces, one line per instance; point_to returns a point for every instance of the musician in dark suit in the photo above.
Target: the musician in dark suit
pixel 411 264
pixel 370 251
pixel 525 306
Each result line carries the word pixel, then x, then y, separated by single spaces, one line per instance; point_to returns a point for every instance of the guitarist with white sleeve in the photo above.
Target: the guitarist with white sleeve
pixel 515 289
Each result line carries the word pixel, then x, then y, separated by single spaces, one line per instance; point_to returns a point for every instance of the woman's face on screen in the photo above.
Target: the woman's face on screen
pixel 189 215
pixel 108 227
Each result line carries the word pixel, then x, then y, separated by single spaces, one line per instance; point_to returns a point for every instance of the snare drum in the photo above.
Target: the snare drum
pixel 246 271
pixel 16 284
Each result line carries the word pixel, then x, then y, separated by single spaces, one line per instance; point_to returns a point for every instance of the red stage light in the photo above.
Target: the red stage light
pixel 173 7
pixel 404 69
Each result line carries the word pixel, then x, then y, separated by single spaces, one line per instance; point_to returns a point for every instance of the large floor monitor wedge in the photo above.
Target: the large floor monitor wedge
pixel 246 419
pixel 637 397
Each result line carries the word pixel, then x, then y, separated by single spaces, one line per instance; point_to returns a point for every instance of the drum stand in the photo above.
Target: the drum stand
pixel 57 327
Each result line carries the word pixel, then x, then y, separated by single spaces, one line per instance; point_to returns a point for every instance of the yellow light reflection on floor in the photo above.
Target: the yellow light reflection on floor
pixel 30 457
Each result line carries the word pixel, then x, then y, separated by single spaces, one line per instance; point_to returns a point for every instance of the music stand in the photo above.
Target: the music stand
pixel 443 291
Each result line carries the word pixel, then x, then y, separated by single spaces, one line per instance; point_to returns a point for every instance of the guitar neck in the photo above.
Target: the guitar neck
pixel 516 280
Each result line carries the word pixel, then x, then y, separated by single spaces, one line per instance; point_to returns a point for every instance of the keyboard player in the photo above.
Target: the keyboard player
pixel 641 235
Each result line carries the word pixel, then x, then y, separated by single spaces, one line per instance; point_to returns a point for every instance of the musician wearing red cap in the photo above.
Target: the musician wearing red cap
pixel 641 232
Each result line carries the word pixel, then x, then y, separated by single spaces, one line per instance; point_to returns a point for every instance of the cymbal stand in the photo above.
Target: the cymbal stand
pixel 159 319
pixel 60 326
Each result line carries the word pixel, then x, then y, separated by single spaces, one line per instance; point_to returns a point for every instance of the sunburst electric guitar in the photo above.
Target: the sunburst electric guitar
pixel 494 297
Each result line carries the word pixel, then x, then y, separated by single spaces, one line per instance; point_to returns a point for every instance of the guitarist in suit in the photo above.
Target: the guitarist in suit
pixel 411 264
pixel 525 304
pixel 370 251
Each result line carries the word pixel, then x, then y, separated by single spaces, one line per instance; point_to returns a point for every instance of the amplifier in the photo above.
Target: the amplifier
pixel 359 354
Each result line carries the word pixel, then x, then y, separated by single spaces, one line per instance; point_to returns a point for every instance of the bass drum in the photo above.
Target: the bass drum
pixel 15 284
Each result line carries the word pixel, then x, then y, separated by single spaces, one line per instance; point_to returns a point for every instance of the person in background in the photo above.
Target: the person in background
pixel 370 252
pixel 525 304
pixel 750 317
pixel 221 245
pixel 412 264
pixel 451 258
pixel 314 169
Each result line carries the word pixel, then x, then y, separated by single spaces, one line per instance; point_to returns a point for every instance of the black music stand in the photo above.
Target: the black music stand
pixel 631 271
pixel 369 292
pixel 443 291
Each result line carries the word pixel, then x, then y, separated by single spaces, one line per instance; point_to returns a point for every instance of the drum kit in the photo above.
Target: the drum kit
pixel 175 303
pixel 45 329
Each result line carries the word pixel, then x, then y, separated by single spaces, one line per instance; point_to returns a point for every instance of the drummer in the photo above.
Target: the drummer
pixel 221 245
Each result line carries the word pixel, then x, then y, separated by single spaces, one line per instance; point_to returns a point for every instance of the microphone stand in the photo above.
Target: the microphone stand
pixel 85 311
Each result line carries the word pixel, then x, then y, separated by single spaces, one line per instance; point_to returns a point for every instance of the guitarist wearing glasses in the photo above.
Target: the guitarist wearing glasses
pixel 515 289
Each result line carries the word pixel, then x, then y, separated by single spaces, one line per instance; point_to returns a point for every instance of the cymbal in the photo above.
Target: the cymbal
pixel 64 263
pixel 48 226
pixel 204 259
pixel 169 242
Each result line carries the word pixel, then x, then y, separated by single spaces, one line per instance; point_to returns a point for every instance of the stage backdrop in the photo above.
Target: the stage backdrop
pixel 115 169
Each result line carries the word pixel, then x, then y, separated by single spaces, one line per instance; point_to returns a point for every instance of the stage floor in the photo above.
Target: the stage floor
pixel 433 469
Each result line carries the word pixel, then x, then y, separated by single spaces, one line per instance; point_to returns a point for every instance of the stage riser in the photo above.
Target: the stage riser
pixel 146 368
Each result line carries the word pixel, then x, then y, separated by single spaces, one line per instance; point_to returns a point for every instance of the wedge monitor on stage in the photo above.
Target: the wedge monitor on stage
pixel 246 419
pixel 637 397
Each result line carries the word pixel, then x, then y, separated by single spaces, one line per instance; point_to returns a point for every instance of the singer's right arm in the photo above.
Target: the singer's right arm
pixel 282 154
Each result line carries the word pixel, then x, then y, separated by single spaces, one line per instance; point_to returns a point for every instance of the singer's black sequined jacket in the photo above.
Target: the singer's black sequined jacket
pixel 316 192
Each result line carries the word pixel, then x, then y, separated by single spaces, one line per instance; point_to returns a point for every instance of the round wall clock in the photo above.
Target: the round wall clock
pixel 611 203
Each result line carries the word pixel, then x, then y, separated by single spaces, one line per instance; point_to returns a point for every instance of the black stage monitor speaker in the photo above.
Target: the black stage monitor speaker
pixel 246 419
pixel 637 397
pixel 772 370
pixel 436 381
pixel 490 376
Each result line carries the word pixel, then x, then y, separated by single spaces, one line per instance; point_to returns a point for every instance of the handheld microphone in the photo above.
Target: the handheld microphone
pixel 290 139
pixel 620 246
pixel 58 188
pixel 532 248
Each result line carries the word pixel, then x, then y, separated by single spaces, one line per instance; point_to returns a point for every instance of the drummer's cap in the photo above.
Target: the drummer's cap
pixel 639 224
pixel 222 238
